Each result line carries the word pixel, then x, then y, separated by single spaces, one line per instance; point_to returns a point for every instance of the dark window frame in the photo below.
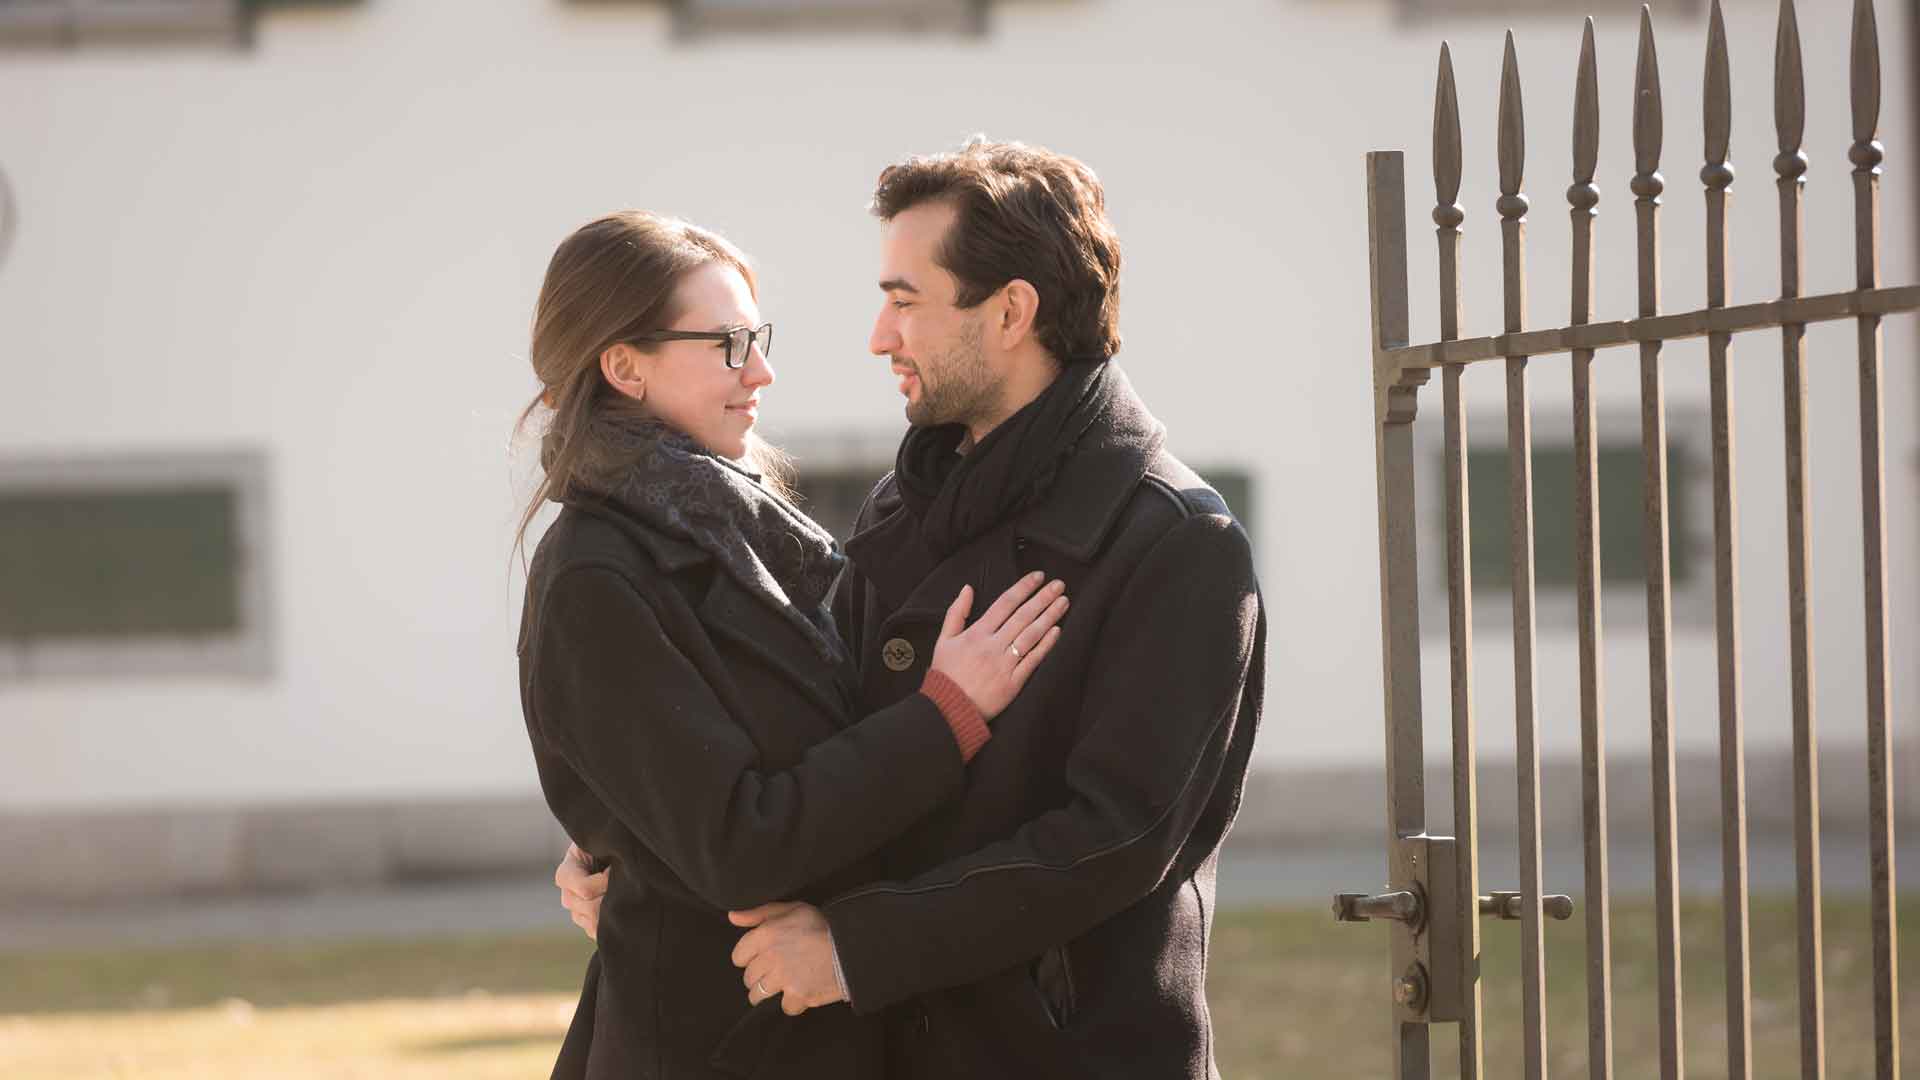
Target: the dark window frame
pixel 1436 10
pixel 697 19
pixel 75 24
pixel 1689 537
pixel 836 479
pixel 242 649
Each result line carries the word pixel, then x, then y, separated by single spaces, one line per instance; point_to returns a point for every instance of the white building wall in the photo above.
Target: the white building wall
pixel 329 246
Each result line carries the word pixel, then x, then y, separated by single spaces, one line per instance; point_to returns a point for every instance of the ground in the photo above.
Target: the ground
pixel 1293 994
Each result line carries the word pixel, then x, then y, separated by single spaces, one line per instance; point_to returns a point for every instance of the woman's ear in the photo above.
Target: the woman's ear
pixel 1019 306
pixel 625 368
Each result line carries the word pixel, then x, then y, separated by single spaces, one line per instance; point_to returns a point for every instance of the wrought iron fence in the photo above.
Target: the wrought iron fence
pixel 1434 901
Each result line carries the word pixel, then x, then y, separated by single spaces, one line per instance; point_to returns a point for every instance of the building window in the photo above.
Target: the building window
pixel 1620 519
pixel 66 24
pixel 700 18
pixel 135 565
pixel 1442 9
pixel 1621 476
pixel 833 494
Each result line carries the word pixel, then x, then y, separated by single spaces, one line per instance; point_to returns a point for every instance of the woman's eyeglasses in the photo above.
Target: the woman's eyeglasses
pixel 739 340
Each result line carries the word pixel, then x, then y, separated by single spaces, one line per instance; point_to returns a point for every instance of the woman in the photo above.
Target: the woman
pixel 684 688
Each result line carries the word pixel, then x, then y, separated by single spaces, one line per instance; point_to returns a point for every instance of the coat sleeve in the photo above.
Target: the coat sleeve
pixel 626 709
pixel 1162 701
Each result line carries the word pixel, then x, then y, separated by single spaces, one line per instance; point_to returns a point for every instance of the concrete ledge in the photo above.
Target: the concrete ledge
pixel 168 851
pixel 1334 807
pixel 178 851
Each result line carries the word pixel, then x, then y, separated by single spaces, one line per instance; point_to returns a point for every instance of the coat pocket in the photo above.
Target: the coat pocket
pixel 1052 982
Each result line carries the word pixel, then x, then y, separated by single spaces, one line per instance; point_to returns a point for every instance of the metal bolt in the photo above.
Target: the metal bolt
pixel 1405 990
pixel 1410 989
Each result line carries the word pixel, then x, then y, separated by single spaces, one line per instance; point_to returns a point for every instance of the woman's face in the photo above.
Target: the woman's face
pixel 688 383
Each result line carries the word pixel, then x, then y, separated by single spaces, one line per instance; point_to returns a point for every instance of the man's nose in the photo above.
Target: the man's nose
pixel 884 339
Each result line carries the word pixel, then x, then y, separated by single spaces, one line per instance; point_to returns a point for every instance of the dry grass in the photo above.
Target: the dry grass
pixel 475 1035
pixel 1293 995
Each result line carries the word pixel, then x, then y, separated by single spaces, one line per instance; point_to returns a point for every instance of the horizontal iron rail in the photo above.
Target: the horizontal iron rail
pixel 1766 315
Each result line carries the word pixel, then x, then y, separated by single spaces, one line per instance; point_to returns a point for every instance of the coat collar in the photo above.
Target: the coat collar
pixel 731 611
pixel 1098 480
pixel 1074 517
pixel 670 553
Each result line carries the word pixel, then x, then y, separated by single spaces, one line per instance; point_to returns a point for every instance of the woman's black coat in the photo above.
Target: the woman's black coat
pixel 688 734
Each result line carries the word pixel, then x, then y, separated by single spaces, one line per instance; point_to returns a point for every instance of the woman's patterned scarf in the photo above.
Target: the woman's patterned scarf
pixel 670 482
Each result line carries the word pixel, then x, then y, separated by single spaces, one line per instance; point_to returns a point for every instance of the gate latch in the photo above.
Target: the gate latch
pixel 1403 905
pixel 1507 905
pixel 1419 907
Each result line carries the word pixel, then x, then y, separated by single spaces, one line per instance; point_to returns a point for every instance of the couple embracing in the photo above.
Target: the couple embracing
pixel 947 803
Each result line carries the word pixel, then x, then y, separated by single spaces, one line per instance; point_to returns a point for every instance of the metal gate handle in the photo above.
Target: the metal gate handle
pixel 1401 906
pixel 1507 905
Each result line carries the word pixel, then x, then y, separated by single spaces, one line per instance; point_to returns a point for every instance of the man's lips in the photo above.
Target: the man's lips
pixel 749 407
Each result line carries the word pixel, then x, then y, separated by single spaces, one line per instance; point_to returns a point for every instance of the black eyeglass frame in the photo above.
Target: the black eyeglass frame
pixel 736 355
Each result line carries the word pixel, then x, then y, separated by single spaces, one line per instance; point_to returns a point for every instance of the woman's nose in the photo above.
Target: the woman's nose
pixel 758 370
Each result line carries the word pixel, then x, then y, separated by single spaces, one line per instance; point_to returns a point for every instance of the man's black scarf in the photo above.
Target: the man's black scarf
pixel 960 496
pixel 668 481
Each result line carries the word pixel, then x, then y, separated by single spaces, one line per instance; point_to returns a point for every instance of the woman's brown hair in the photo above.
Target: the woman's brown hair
pixel 611 280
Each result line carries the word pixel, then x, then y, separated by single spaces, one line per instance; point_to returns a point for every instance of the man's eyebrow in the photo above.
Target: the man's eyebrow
pixel 898 285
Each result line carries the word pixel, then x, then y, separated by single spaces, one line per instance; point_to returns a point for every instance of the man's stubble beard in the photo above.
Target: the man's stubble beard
pixel 963 390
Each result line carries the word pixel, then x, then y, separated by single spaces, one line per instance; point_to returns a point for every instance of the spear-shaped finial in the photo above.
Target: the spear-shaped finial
pixel 1866 80
pixel 1648 120
pixel 1789 95
pixel 1446 146
pixel 1586 117
pixel 1512 137
pixel 1719 98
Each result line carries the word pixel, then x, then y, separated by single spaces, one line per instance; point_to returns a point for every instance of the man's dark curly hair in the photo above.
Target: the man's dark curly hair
pixel 1028 213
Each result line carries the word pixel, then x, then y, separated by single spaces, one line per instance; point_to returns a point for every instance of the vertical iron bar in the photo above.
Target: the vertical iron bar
pixel 1513 210
pixel 1394 407
pixel 1791 166
pixel 1717 175
pixel 1866 155
pixel 1647 185
pixel 1584 197
pixel 1447 217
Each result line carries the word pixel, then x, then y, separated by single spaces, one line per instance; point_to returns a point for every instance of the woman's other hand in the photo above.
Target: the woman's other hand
pixel 992 659
pixel 580 890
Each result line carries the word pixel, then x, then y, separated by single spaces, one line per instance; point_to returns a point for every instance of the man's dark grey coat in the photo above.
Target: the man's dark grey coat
pixel 1053 920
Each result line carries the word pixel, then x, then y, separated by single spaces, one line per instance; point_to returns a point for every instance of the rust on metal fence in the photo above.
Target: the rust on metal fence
pixel 1434 903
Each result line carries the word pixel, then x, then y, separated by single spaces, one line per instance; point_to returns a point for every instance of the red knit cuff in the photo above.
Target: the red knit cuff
pixel 961 714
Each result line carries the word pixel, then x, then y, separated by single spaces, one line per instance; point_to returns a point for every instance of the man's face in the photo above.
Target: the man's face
pixel 937 349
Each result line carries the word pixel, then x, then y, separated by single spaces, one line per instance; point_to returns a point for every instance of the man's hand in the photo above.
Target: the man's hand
pixel 788 952
pixel 580 892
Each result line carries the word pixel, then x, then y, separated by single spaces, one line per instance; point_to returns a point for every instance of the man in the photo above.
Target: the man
pixel 1054 920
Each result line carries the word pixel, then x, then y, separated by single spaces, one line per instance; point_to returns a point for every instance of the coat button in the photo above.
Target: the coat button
pixel 897 654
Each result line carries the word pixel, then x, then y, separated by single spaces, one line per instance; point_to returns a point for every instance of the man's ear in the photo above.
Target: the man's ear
pixel 1019 306
pixel 626 368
